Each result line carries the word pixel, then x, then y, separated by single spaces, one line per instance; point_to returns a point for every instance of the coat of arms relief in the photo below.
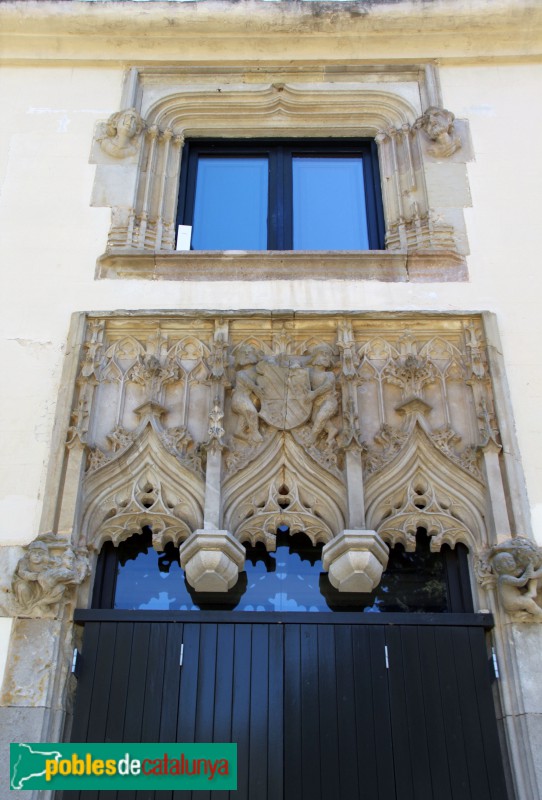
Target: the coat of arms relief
pixel 286 391
pixel 356 430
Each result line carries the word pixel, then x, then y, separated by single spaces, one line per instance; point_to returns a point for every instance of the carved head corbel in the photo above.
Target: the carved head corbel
pixel 438 125
pixel 123 131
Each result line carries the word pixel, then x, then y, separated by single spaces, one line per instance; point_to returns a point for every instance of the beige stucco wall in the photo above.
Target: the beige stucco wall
pixel 52 238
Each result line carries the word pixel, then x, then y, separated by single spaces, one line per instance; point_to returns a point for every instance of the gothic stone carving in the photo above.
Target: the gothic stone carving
pixel 285 391
pixel 355 560
pixel 282 507
pixel 515 568
pixel 438 125
pixel 264 419
pixel 212 560
pixel 44 573
pixel 123 131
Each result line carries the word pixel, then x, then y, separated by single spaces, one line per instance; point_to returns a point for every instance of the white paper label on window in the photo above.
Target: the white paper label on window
pixel 184 235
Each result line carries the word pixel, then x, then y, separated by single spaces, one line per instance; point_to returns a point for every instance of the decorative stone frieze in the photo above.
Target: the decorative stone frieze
pixel 45 573
pixel 235 425
pixel 514 568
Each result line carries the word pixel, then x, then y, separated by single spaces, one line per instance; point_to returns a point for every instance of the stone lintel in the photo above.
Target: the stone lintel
pixel 211 560
pixel 355 560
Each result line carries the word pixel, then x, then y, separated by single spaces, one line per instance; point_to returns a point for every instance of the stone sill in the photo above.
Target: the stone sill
pixel 267 265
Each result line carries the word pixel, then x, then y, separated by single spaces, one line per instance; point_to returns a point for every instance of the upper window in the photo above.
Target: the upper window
pixel 281 195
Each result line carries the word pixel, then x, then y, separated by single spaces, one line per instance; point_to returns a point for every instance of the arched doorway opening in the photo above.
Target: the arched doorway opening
pixel 385 698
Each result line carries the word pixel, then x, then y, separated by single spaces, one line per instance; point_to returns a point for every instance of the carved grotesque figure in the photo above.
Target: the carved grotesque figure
pixel 323 394
pixel 41 577
pixel 246 394
pixel 438 124
pixel 122 133
pixel 517 564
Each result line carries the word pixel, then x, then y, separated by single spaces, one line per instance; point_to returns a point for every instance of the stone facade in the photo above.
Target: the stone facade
pixel 401 392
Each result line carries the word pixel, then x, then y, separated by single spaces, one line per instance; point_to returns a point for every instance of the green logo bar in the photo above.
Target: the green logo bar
pixel 123 766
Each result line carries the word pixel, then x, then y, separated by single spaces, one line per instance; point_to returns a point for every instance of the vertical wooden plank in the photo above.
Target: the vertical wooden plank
pixel 402 757
pixel 348 768
pixel 276 713
pixel 85 685
pixel 206 690
pixel 365 714
pixel 382 716
pixel 154 683
pixel 259 712
pixel 472 729
pixel 99 707
pixel 136 682
pixel 224 691
pixel 434 720
pixel 241 707
pixel 292 705
pixel 327 708
pixel 472 732
pixel 172 682
pixel 417 732
pixel 188 691
pixel 186 722
pixel 310 721
pixel 486 709
pixel 119 683
pixel 206 684
pixel 85 682
pixel 449 693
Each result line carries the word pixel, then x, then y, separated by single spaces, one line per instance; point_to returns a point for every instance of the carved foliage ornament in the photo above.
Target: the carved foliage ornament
pixel 514 567
pixel 42 577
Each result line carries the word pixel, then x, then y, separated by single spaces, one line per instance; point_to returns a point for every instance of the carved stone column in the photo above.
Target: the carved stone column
pixel 211 557
pixel 356 558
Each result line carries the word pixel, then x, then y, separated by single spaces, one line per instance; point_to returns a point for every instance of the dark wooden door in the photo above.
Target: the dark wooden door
pixel 321 708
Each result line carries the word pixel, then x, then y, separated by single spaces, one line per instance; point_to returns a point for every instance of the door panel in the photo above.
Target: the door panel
pixel 313 707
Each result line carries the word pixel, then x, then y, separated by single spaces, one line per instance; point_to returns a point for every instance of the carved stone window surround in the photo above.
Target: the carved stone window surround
pixel 423 195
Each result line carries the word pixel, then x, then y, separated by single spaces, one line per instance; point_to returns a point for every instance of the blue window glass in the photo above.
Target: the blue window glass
pixel 281 195
pixel 288 579
pixel 329 203
pixel 230 208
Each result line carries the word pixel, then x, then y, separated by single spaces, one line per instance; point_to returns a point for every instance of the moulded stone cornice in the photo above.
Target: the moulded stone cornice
pixel 378 265
pixel 348 108
pixel 164 29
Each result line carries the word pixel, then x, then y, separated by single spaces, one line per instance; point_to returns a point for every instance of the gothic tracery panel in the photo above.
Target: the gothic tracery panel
pixel 337 426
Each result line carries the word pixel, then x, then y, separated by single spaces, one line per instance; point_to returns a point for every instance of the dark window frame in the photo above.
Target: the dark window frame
pixel 280 153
